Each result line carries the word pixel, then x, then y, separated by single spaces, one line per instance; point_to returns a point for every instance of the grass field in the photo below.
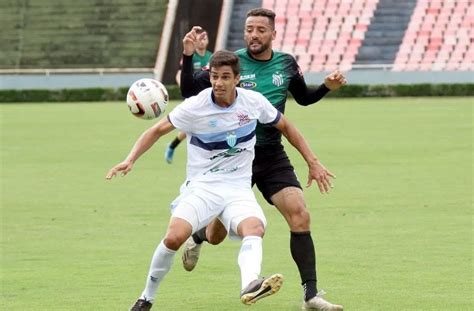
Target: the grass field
pixel 395 233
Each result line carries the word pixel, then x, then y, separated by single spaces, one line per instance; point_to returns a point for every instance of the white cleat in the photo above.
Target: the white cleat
pixel 190 254
pixel 319 303
pixel 261 288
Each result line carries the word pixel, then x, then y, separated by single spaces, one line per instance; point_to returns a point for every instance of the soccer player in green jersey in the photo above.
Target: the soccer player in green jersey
pixel 273 74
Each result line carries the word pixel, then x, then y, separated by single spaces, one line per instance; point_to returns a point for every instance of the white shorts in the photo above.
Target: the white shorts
pixel 200 203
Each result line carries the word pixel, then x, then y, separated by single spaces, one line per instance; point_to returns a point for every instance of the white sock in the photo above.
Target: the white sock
pixel 159 267
pixel 250 259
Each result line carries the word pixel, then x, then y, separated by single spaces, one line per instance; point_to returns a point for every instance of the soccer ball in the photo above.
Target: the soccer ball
pixel 147 99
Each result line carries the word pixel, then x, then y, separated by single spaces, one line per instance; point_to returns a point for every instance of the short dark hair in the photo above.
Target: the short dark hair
pixel 265 13
pixel 225 58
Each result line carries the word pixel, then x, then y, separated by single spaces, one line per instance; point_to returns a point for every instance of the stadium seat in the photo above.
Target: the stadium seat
pixel 437 37
pixel 329 32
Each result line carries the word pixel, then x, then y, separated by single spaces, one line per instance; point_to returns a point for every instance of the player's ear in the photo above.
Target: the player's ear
pixel 237 79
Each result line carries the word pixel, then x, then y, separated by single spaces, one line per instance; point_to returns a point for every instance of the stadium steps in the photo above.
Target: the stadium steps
pixel 81 34
pixel 439 37
pixel 386 31
pixel 239 14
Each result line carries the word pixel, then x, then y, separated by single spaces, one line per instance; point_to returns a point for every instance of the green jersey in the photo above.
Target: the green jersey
pixel 200 61
pixel 271 78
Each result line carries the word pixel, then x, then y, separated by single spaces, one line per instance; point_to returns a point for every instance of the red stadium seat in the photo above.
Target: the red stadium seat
pixel 437 36
pixel 329 32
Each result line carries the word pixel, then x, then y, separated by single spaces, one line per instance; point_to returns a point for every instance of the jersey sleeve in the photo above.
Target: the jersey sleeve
pixel 267 113
pixel 303 94
pixel 182 117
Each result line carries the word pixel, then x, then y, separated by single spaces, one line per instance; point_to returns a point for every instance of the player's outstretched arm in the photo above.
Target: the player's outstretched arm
pixel 144 142
pixel 305 95
pixel 191 84
pixel 317 171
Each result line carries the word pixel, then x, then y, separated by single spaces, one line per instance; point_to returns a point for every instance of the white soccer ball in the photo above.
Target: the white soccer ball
pixel 147 99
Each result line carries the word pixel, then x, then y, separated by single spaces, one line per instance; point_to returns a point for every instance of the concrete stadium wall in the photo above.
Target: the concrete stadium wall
pixel 371 77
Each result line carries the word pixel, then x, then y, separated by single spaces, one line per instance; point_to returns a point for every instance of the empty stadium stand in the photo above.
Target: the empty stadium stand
pixel 322 34
pixel 385 32
pixel 408 34
pixel 439 37
pixel 80 34
pixel 236 31
pixel 402 35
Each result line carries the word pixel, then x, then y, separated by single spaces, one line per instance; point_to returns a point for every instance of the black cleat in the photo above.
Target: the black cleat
pixel 261 288
pixel 141 305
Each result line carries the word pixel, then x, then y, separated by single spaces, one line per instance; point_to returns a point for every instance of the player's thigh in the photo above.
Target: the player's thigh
pixel 242 206
pixel 291 204
pixel 198 207
pixel 179 230
pixel 273 176
pixel 216 232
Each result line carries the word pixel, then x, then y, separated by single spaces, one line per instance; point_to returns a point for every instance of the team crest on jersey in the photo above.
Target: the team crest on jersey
pixel 231 139
pixel 243 118
pixel 277 79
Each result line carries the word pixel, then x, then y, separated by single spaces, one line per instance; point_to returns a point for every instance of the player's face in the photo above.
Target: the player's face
pixel 223 81
pixel 259 34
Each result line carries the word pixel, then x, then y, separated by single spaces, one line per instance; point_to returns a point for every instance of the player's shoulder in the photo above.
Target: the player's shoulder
pixel 250 95
pixel 241 52
pixel 199 99
pixel 278 55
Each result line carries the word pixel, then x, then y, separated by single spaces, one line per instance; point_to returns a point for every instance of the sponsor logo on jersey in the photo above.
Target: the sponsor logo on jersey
pixel 248 84
pixel 228 153
pixel 247 77
pixel 277 79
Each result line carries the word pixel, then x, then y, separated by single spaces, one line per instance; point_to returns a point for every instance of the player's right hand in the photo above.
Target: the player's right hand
pixel 190 40
pixel 124 167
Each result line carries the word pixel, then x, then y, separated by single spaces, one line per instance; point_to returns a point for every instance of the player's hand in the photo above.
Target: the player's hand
pixel 190 40
pixel 322 176
pixel 335 80
pixel 123 167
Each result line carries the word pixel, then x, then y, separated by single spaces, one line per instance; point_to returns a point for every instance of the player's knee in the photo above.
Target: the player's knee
pixel 173 241
pixel 216 237
pixel 215 233
pixel 253 227
pixel 299 219
pixel 259 230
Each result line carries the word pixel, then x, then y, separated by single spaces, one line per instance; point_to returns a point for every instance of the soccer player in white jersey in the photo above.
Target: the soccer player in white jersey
pixel 220 126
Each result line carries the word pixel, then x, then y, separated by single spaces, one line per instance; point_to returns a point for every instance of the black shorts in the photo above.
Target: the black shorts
pixel 272 171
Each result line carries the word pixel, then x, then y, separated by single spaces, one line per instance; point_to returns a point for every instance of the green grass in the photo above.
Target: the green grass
pixel 395 233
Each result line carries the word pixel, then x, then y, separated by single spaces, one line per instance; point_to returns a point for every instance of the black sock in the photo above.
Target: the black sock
pixel 200 236
pixel 302 251
pixel 175 143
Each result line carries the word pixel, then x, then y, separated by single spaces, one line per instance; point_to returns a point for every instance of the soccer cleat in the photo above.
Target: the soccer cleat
pixel 190 254
pixel 319 303
pixel 261 288
pixel 141 305
pixel 169 154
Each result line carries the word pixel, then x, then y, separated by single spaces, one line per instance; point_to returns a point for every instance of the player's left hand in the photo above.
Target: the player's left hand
pixel 322 176
pixel 335 80
pixel 124 167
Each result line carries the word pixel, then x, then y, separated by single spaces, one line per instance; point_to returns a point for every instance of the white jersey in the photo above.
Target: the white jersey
pixel 221 140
